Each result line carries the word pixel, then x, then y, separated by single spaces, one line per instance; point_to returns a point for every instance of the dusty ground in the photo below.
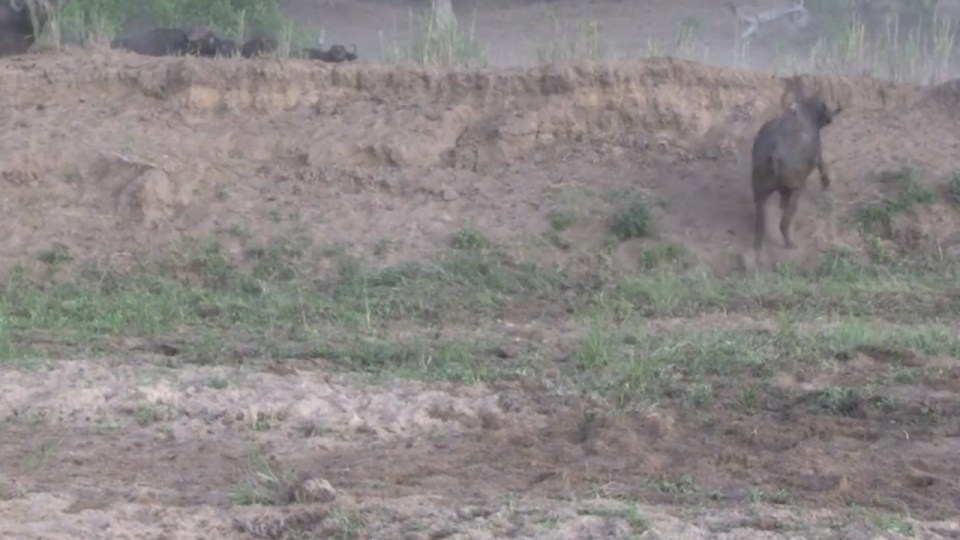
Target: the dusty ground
pixel 123 449
pixel 113 160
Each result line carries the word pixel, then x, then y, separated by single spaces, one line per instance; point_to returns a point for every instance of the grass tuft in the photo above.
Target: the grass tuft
pixel 877 217
pixel 265 483
pixel 633 220
pixel 952 189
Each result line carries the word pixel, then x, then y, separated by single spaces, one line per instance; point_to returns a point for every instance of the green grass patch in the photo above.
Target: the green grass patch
pixel 645 365
pixel 269 305
pixel 877 218
pixel 444 317
pixel 895 292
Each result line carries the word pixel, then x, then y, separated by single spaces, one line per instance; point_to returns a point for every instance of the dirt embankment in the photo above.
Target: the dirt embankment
pixel 111 154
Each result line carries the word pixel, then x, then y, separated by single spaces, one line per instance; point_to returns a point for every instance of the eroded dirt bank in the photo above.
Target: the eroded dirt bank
pixel 110 158
pixel 113 155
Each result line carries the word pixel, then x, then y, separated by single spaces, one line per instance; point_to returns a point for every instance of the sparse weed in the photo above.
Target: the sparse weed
pixel 894 524
pixel 636 519
pixel 838 400
pixel 594 351
pixel 346 524
pixel 679 486
pixel 748 399
pixel 562 47
pixel 561 220
pixel 780 496
pixel 952 189
pixel 218 383
pixel 664 254
pixel 631 513
pixel 877 218
pixel 57 255
pixel 634 220
pixel 438 40
pixel 469 239
pixel 151 413
pixel 47 452
pixel 263 483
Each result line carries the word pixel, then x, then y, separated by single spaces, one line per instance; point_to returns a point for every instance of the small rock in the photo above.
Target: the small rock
pixel 318 490
pixel 450 195
pixel 473 512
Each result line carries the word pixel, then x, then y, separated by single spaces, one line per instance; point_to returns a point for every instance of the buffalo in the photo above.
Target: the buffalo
pixel 258 45
pixel 16 27
pixel 785 151
pixel 335 54
pixel 198 41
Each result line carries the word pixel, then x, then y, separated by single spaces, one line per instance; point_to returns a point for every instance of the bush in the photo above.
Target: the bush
pixel 634 220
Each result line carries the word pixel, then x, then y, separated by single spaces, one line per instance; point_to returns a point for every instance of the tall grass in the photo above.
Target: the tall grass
pixel 436 39
pixel 562 45
pixel 100 20
pixel 921 54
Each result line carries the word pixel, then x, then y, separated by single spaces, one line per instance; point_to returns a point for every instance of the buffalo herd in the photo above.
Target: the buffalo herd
pixel 17 36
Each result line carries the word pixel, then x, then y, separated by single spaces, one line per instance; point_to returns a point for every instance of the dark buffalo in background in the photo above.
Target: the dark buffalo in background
pixel 199 41
pixel 258 45
pixel 226 47
pixel 335 54
pixel 16 28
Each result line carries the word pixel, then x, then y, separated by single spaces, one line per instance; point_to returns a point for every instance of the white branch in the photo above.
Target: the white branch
pixel 796 10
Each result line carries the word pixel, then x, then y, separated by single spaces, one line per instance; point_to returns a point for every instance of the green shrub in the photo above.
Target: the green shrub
pixel 634 220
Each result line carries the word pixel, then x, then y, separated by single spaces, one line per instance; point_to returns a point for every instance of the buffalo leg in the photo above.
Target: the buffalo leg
pixel 789 199
pixel 760 221
pixel 824 173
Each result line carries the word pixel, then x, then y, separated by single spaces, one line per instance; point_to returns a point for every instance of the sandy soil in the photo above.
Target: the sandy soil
pixel 129 449
pixel 118 158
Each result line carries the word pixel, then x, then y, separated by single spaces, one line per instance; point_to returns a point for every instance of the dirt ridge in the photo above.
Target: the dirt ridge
pixel 136 152
pixel 506 112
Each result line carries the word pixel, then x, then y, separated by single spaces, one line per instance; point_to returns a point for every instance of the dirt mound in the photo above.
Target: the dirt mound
pixel 111 155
